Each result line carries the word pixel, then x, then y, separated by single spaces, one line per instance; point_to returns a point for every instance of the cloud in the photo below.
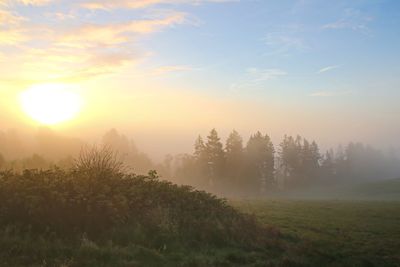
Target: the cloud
pixel 26 2
pixel 12 37
pixel 35 2
pixel 9 18
pixel 168 69
pixel 328 68
pixel 72 43
pixel 260 75
pixel 255 78
pixel 285 41
pixel 81 52
pixel 134 4
pixel 93 35
pixel 352 19
pixel 11 32
pixel 330 93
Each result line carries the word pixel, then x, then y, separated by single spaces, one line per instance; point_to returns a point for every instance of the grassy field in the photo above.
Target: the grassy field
pixel 92 217
pixel 312 233
pixel 335 233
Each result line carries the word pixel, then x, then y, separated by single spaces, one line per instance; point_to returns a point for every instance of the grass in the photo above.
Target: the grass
pixel 387 189
pixel 313 233
pixel 101 217
pixel 98 217
pixel 335 233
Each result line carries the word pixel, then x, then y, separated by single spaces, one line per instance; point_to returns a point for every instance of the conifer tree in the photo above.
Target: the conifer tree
pixel 260 163
pixel 215 157
pixel 234 160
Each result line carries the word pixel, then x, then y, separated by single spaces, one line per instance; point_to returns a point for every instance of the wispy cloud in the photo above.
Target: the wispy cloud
pixel 11 32
pixel 12 37
pixel 108 5
pixel 352 19
pixel 328 68
pixel 255 78
pixel 80 49
pixel 25 2
pixel 286 40
pixel 260 75
pixel 95 35
pixel 168 69
pixel 9 18
pixel 330 93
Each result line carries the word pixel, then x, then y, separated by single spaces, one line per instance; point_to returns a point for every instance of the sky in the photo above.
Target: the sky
pixel 164 71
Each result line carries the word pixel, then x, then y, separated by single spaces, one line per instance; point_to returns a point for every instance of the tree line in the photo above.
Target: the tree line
pixel 258 167
pixel 235 166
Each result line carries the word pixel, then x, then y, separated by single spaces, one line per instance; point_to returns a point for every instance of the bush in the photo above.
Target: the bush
pixel 124 208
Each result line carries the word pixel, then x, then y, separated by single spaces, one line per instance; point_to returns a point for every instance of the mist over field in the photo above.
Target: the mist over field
pixel 199 133
pixel 256 167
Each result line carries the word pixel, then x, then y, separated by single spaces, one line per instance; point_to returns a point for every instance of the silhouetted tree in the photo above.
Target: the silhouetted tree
pixel 128 151
pixel 309 162
pixel 328 167
pixel 215 157
pixel 234 160
pixel 2 161
pixel 289 160
pixel 260 163
pixel 201 162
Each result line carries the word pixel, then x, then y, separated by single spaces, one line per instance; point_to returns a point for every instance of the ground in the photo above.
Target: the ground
pixel 337 233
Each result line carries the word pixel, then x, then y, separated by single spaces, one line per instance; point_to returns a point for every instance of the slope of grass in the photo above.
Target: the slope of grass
pixel 86 217
pixel 335 233
pixel 103 217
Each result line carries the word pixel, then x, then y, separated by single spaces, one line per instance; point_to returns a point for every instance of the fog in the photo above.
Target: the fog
pixel 233 166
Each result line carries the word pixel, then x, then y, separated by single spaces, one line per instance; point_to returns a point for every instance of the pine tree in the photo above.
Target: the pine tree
pixel 260 163
pixel 290 155
pixel 215 157
pixel 199 148
pixel 201 168
pixel 309 163
pixel 328 166
pixel 234 160
pixel 2 161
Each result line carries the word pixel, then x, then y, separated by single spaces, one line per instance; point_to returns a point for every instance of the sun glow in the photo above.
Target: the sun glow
pixel 50 103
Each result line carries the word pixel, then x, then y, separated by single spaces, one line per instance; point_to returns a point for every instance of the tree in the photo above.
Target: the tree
pixel 328 166
pixel 199 148
pixel 126 149
pixel 260 163
pixel 234 160
pixel 309 162
pixel 2 161
pixel 215 157
pixel 201 167
pixel 116 142
pixel 289 159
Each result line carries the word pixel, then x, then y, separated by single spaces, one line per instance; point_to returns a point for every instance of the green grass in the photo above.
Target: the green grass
pixel 81 217
pixel 335 233
pixel 387 189
pixel 313 233
pixel 101 217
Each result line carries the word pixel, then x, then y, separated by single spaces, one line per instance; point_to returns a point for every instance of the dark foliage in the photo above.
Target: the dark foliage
pixel 133 208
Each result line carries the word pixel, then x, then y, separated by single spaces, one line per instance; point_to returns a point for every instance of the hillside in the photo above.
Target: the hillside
pixel 102 217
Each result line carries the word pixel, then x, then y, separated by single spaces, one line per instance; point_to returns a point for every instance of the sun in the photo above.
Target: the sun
pixel 50 104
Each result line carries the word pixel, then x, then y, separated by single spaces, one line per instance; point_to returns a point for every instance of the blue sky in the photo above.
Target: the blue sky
pixel 317 66
pixel 355 43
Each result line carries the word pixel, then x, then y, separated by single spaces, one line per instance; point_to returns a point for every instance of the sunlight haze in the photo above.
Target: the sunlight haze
pixel 163 72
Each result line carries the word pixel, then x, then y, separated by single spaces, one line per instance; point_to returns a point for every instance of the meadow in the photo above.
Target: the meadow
pixel 97 215
pixel 334 232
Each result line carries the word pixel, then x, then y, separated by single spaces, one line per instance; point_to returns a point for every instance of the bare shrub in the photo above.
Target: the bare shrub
pixel 98 160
